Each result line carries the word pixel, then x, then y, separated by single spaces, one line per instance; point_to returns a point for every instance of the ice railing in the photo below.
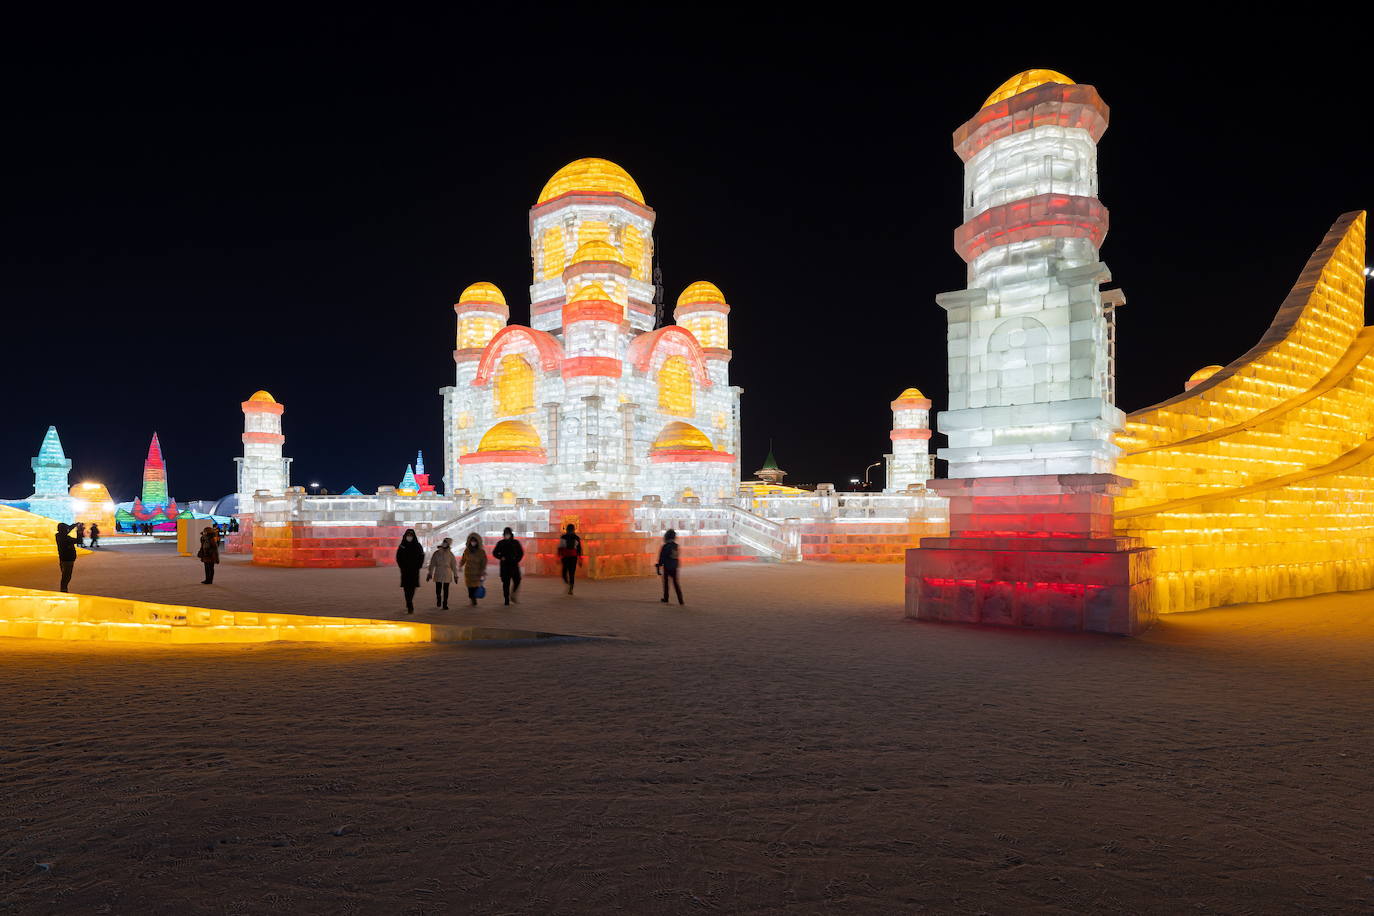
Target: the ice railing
pixel 523 518
pixel 829 504
pixel 387 507
pixel 767 538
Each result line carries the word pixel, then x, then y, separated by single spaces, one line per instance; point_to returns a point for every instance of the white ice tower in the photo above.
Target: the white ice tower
pixel 1029 370
pixel 262 466
pixel 1030 419
pixel 910 463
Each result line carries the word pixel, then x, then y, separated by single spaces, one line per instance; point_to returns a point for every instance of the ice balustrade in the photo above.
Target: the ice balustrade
pixel 895 507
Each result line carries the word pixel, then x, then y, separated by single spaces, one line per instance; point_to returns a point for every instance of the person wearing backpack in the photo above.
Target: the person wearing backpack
pixel 668 563
pixel 510 552
pixel 569 549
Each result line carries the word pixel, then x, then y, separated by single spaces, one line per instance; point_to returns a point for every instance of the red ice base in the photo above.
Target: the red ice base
pixel 1033 552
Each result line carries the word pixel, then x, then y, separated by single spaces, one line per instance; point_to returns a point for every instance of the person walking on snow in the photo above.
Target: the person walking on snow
pixel 66 554
pixel 443 569
pixel 509 552
pixel 95 536
pixel 410 557
pixel 209 553
pixel 569 549
pixel 668 563
pixel 474 563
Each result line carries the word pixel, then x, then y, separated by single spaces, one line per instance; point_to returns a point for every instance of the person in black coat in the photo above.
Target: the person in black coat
pixel 668 561
pixel 410 557
pixel 66 554
pixel 569 549
pixel 510 552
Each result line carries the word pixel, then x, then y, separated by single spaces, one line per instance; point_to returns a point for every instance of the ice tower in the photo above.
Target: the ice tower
pixel 153 505
pixel 1031 417
pixel 262 466
pixel 51 467
pixel 910 463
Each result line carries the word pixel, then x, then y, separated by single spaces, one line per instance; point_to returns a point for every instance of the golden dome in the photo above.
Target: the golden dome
pixel 598 176
pixel 683 435
pixel 592 292
pixel 263 396
pixel 701 291
pixel 1202 375
pixel 596 250
pixel 510 436
pixel 1024 81
pixel 483 292
pixel 910 393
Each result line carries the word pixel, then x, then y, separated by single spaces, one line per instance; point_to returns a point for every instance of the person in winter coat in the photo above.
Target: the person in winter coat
pixel 410 557
pixel 668 563
pixel 474 563
pixel 66 554
pixel 209 553
pixel 443 569
pixel 510 552
pixel 569 549
pixel 95 536
pixel 80 534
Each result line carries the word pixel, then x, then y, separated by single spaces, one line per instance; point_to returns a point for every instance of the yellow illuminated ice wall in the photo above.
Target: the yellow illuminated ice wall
pixel 1257 482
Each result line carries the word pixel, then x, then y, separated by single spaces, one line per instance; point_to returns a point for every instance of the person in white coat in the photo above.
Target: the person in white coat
pixel 443 569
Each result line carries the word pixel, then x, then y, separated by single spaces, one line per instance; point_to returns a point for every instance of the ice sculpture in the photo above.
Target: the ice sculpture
pixel 591 401
pixel 262 466
pixel 1258 482
pixel 408 486
pixel 153 506
pixel 91 503
pixel 910 463
pixel 1030 424
pixel 51 467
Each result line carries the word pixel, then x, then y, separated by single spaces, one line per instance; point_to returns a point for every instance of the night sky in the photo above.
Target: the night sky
pixel 195 210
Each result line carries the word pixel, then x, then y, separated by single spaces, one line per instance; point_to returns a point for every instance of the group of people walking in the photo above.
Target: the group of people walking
pixel 443 570
pixel 444 567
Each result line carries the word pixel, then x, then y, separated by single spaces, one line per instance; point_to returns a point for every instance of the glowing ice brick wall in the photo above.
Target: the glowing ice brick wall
pixel 579 404
pixel 910 463
pixel 1257 482
pixel 1028 347
pixel 262 466
pixel 91 503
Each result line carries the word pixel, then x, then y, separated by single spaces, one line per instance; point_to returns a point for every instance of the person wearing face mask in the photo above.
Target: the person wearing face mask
pixel 443 569
pixel 410 557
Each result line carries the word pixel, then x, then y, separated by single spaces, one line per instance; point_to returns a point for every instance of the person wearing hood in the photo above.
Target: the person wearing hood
pixel 410 557
pixel 474 563
pixel 443 569
pixel 509 552
pixel 66 554
pixel 209 552
pixel 95 536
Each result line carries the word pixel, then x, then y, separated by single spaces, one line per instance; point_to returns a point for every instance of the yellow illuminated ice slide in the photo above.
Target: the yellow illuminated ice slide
pixel 32 614
pixel 1258 483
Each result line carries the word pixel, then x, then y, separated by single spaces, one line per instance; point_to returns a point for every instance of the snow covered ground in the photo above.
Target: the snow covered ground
pixel 784 742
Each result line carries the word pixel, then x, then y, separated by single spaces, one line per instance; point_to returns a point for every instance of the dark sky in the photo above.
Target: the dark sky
pixel 197 209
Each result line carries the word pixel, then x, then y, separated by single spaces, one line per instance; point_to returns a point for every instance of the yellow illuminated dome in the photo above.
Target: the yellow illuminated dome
pixel 510 436
pixel 1025 81
pixel 1202 375
pixel 910 393
pixel 701 291
pixel 683 435
pixel 599 176
pixel 596 250
pixel 483 292
pixel 589 293
pixel 263 396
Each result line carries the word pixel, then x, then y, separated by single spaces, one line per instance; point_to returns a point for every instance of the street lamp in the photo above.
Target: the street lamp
pixel 876 464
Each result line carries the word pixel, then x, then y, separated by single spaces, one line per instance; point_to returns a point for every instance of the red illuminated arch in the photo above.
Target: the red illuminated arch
pixel 538 347
pixel 648 351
